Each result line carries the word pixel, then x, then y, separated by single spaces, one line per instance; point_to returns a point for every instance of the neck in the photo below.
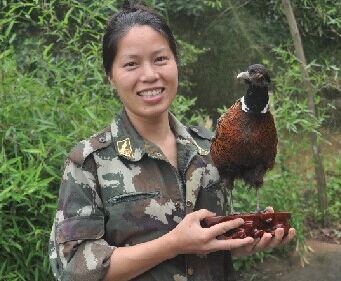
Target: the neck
pixel 154 129
pixel 158 131
pixel 256 100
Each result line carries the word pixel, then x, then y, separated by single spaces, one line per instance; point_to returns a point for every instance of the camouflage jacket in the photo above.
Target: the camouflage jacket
pixel 118 189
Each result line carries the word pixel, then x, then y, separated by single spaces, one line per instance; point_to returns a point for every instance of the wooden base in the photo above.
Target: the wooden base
pixel 256 224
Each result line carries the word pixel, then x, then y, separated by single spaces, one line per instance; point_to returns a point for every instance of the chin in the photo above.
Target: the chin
pixel 155 113
pixel 156 110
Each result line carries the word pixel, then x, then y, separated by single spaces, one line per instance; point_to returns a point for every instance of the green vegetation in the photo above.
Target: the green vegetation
pixel 53 93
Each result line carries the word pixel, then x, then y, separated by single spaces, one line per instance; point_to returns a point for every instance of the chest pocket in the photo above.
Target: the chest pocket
pixel 214 186
pixel 139 199
pixel 132 196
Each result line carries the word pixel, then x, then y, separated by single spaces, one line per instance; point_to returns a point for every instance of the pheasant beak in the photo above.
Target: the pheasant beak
pixel 245 75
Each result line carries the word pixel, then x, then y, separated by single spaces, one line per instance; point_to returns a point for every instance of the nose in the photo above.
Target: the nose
pixel 149 74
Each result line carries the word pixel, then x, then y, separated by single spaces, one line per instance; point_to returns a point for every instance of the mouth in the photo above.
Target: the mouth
pixel 150 93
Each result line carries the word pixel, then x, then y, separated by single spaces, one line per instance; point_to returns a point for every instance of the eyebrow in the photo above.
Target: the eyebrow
pixel 134 56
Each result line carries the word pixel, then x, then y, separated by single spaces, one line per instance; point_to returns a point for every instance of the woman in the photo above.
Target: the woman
pixel 133 196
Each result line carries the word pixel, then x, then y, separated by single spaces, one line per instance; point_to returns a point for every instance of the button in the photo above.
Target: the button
pixel 177 204
pixel 190 271
pixel 189 204
pixel 102 139
pixel 159 154
pixel 203 151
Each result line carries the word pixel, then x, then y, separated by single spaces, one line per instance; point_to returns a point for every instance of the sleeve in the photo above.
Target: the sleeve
pixel 77 250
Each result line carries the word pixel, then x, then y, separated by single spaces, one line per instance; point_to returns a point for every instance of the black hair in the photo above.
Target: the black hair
pixel 133 13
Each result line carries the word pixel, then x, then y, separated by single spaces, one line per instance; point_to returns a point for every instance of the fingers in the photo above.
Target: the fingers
pixel 202 213
pixel 204 240
pixel 197 216
pixel 277 239
pixel 269 209
pixel 208 242
pixel 233 243
pixel 249 248
pixel 289 237
pixel 263 242
pixel 268 242
pixel 223 227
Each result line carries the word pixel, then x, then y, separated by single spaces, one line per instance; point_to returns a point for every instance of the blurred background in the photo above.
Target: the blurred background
pixel 54 93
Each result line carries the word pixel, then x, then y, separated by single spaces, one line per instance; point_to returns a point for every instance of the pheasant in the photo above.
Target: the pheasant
pixel 245 142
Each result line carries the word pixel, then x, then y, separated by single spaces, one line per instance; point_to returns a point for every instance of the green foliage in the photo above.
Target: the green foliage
pixel 324 17
pixel 334 190
pixel 290 95
pixel 49 100
pixel 334 195
pixel 188 56
pixel 187 7
pixel 38 126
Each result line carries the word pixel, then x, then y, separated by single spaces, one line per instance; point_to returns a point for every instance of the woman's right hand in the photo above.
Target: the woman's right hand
pixel 189 237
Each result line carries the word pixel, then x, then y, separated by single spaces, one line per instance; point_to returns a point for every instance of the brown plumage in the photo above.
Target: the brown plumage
pixel 245 141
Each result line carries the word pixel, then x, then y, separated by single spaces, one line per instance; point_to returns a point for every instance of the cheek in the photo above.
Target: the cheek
pixel 172 75
pixel 125 82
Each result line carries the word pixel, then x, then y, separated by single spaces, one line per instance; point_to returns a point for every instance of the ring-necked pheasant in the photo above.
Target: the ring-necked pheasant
pixel 245 141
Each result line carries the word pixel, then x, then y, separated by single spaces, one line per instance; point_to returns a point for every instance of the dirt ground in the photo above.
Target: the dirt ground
pixel 324 264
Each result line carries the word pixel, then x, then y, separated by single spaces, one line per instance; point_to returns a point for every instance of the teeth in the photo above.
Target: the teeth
pixel 150 93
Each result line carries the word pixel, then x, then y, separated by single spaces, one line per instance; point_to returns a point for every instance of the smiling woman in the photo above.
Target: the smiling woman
pixel 145 75
pixel 133 196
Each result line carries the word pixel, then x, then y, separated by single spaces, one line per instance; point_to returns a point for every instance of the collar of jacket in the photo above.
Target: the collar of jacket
pixel 130 145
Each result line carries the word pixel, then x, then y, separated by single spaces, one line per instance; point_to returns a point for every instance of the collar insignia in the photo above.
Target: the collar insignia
pixel 124 148
pixel 201 150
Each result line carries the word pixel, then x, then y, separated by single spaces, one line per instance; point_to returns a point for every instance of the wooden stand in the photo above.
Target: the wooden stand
pixel 255 224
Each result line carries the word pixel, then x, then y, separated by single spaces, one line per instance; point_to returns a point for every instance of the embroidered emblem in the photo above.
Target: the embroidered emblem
pixel 201 150
pixel 124 148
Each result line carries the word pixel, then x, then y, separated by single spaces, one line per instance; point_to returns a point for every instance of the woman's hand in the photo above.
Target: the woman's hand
pixel 189 237
pixel 266 242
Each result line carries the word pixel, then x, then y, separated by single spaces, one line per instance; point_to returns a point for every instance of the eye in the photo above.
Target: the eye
pixel 130 64
pixel 161 59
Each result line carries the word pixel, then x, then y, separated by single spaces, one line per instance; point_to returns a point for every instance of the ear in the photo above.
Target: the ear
pixel 111 83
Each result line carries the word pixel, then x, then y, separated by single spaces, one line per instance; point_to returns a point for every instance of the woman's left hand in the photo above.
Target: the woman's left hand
pixel 266 242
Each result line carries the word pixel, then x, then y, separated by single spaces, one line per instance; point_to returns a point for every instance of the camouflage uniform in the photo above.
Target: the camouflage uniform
pixel 118 189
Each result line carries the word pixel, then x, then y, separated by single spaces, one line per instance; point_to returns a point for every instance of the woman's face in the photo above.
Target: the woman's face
pixel 144 73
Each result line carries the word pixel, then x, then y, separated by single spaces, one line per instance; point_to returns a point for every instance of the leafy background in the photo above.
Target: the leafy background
pixel 53 93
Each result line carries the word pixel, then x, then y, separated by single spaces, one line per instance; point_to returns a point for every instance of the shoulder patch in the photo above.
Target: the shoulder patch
pixel 84 148
pixel 201 132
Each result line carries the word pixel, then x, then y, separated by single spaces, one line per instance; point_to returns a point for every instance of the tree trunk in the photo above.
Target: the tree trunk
pixel 319 168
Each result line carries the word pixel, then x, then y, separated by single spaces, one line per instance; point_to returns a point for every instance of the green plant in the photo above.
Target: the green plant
pixel 334 195
pixel 334 191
